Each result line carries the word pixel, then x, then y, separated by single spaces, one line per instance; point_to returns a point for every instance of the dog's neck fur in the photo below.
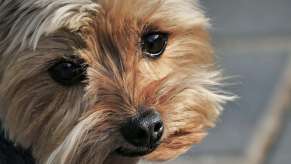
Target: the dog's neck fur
pixel 11 154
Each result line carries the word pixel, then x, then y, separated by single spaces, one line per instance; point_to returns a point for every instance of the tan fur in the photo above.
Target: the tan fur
pixel 79 125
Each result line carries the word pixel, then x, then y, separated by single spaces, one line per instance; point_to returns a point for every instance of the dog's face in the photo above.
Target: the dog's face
pixel 107 81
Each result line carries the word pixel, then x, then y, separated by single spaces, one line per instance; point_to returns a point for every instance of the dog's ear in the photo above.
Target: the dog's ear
pixel 22 27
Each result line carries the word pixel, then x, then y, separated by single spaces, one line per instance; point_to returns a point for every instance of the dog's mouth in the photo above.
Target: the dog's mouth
pixel 135 152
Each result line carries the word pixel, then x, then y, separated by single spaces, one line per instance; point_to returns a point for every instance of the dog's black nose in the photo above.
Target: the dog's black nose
pixel 145 129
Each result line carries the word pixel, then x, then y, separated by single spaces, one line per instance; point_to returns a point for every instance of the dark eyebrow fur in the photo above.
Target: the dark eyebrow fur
pixel 69 38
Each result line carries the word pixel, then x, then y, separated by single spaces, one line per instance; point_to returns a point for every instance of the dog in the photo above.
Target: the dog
pixel 106 81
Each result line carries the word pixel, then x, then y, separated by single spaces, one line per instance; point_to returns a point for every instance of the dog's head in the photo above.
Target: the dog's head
pixel 96 82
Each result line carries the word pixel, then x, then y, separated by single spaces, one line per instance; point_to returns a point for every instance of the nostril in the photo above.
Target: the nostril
pixel 157 133
pixel 158 127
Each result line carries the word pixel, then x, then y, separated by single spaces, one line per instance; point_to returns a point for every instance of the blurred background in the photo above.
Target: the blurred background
pixel 253 45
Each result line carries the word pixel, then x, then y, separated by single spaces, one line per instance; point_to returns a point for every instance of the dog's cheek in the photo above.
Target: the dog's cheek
pixel 173 147
pixel 180 135
pixel 187 119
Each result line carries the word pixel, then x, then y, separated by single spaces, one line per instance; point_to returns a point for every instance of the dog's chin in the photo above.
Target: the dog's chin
pixel 119 159
pixel 136 152
pixel 126 155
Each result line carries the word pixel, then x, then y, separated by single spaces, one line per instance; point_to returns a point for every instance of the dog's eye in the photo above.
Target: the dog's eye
pixel 154 44
pixel 68 73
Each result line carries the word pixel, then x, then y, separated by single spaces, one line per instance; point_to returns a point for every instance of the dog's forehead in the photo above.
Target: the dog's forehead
pixel 170 14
